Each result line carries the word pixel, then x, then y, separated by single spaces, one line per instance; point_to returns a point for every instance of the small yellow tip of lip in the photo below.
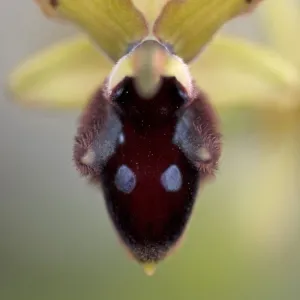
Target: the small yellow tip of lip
pixel 149 269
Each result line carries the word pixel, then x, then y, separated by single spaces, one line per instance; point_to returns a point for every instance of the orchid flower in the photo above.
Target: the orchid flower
pixel 232 71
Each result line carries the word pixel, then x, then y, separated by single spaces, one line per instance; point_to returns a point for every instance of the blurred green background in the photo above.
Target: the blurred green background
pixel 56 238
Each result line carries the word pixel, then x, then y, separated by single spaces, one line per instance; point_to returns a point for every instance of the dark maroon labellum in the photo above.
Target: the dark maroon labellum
pixel 150 158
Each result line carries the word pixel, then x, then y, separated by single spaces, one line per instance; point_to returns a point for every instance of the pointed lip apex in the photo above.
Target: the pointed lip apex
pixel 149 268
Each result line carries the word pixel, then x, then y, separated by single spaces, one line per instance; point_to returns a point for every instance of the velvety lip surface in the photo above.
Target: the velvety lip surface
pixel 148 159
pixel 149 183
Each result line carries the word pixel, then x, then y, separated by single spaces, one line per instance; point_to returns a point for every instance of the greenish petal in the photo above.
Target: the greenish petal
pixel 63 76
pixel 233 71
pixel 188 25
pixel 113 24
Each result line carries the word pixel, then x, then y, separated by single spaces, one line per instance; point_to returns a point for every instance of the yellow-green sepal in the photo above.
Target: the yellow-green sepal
pixel 63 76
pixel 232 71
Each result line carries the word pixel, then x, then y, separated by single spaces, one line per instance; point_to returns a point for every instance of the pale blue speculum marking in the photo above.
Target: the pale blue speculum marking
pixel 171 179
pixel 125 180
